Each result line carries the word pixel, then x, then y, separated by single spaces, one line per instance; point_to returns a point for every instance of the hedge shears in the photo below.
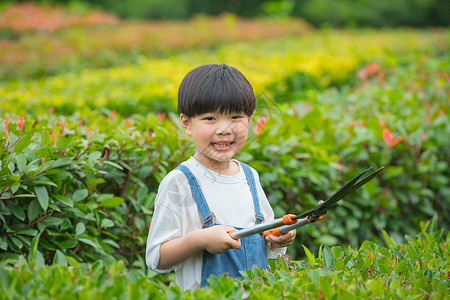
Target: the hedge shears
pixel 289 222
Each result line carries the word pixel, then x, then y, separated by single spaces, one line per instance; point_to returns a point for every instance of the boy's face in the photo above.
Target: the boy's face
pixel 218 137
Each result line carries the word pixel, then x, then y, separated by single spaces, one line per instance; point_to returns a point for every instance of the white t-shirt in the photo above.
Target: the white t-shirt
pixel 176 214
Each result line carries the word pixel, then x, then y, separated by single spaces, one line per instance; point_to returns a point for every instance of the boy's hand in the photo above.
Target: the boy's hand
pixel 282 240
pixel 217 239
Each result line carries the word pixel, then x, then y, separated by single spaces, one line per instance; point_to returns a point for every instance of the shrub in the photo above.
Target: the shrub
pixel 414 269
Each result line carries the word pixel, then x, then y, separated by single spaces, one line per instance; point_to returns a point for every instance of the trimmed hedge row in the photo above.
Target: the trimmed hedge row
pixel 87 187
pixel 416 269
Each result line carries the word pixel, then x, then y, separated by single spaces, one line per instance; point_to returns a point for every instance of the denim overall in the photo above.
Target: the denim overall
pixel 253 248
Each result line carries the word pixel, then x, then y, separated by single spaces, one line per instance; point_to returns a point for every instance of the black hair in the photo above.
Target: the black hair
pixel 212 88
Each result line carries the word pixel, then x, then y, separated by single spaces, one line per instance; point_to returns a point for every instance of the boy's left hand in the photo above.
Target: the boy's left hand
pixel 282 240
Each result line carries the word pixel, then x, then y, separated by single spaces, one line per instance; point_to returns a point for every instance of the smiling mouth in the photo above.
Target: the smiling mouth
pixel 222 145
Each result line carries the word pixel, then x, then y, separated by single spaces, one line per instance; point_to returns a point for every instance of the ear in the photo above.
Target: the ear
pixel 186 124
pixel 250 120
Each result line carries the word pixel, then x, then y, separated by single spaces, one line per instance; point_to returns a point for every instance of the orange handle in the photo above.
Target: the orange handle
pixel 275 232
pixel 287 219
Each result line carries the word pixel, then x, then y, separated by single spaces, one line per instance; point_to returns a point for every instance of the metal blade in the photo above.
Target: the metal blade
pixel 342 192
pixel 364 181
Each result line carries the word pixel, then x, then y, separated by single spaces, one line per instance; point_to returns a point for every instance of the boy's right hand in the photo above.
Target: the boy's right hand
pixel 217 239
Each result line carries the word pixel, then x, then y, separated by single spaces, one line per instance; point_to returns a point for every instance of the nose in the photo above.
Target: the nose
pixel 224 127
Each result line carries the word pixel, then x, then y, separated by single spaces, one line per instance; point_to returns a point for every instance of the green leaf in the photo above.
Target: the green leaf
pixel 32 232
pixel 33 248
pixel 309 255
pixel 52 221
pixel 60 259
pixel 328 258
pixel 22 143
pixel 39 260
pixel 64 142
pixel 110 163
pixel 3 243
pixel 9 181
pixel 16 241
pixel 89 242
pixel 68 244
pixel 388 240
pixel 337 251
pixel 17 211
pixel 61 162
pixel 111 202
pixel 21 161
pixel 106 223
pixel 37 182
pixel 79 195
pixel 42 196
pixel 33 211
pixel 80 229
pixel 45 139
pixel 64 200
pixel 72 261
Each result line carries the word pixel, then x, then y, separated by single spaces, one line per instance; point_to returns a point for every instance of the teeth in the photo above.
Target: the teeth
pixel 222 144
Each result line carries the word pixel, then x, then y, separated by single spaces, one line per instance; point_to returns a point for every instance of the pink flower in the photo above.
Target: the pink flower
pixel 62 126
pixel 389 139
pixel 111 115
pixel 352 123
pixel 51 110
pixel 21 120
pixel 7 121
pixel 80 123
pixel 260 124
pixel 162 116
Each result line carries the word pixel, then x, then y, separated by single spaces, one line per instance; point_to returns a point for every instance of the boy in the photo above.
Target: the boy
pixel 216 104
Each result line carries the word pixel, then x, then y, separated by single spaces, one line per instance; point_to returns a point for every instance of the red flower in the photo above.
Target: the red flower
pixel 389 139
pixel 162 116
pixel 21 120
pixel 51 110
pixel 7 121
pixel 260 124
pixel 111 115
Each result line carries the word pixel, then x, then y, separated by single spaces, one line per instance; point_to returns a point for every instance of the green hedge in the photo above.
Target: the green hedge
pixel 373 13
pixel 417 269
pixel 87 186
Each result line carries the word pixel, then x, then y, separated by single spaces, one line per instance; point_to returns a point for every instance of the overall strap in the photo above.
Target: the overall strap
pixel 208 217
pixel 252 183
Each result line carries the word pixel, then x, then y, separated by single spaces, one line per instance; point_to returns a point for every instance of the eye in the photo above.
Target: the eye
pixel 236 117
pixel 209 118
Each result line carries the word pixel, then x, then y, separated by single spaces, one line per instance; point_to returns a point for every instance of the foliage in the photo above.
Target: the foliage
pixel 65 183
pixel 40 41
pixel 340 13
pixel 326 138
pixel 86 185
pixel 416 269
pixel 326 58
pixel 373 13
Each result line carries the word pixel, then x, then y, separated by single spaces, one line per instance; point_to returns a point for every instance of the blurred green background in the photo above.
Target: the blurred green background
pixel 343 13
